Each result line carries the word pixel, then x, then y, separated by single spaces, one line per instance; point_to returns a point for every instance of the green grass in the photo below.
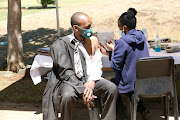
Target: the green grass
pixel 4 12
pixel 24 4
pixel 35 4
pixel 28 12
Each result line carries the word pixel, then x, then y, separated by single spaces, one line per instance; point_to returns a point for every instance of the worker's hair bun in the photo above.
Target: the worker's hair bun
pixel 131 13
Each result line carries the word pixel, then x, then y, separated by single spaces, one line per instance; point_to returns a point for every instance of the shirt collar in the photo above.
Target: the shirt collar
pixel 71 37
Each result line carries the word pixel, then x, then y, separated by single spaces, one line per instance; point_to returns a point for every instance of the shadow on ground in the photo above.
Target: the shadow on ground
pixel 23 91
pixel 32 40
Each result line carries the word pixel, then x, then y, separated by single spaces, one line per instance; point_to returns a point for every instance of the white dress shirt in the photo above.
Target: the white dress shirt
pixel 94 65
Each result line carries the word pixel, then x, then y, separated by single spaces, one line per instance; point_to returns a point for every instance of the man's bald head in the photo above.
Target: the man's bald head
pixel 75 19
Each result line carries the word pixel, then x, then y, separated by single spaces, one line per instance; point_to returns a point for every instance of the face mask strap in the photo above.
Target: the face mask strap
pixel 83 29
pixel 80 28
pixel 85 32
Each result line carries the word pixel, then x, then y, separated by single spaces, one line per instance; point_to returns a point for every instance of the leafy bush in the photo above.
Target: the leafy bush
pixel 44 3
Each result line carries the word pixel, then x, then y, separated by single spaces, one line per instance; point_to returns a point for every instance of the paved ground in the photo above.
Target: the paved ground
pixel 28 112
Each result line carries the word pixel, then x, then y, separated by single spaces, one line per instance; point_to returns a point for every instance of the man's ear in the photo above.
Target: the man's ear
pixel 75 28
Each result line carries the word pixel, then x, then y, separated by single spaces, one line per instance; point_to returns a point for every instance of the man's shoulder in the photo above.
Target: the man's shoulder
pixel 94 39
pixel 61 41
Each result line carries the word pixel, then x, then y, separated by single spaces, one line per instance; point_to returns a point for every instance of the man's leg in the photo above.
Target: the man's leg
pixel 64 100
pixel 108 93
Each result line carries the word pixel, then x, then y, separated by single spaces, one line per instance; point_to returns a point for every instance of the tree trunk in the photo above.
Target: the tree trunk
pixel 15 60
pixel 44 3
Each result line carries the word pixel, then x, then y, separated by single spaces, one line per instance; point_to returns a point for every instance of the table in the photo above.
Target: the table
pixel 42 64
pixel 175 55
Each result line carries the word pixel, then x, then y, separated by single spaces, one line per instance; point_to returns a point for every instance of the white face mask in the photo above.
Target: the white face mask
pixel 121 32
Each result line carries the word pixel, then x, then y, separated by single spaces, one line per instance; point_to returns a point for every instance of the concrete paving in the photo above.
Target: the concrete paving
pixel 28 112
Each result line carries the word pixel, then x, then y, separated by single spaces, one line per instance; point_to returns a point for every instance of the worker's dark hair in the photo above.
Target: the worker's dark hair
pixel 75 18
pixel 128 18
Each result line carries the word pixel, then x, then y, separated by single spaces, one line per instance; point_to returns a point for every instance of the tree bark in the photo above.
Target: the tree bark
pixel 15 59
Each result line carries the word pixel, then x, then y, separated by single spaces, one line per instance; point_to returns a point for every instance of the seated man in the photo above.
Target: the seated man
pixel 77 72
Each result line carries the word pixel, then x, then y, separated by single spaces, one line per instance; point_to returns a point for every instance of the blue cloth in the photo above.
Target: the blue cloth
pixel 128 49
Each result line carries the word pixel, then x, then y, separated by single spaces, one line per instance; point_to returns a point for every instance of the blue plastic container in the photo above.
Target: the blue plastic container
pixel 158 49
pixel 3 43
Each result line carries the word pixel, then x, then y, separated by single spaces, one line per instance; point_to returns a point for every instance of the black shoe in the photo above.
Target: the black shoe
pixel 145 114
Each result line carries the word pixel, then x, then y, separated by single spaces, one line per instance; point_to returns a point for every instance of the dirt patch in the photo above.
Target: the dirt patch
pixel 8 80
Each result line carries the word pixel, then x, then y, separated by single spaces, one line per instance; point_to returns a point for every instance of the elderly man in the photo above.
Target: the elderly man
pixel 77 72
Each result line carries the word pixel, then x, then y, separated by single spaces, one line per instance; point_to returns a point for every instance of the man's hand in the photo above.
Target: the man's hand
pixel 88 96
